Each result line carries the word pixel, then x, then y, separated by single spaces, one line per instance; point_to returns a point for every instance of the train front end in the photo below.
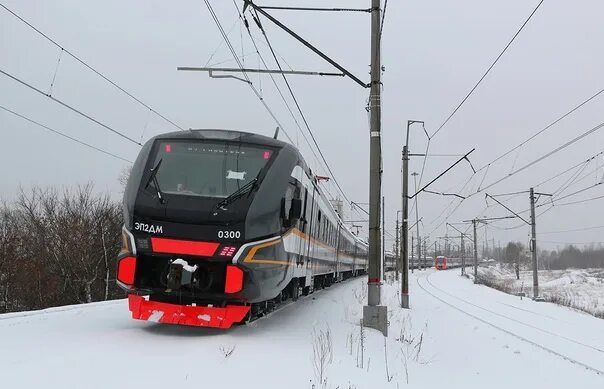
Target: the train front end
pixel 440 263
pixel 197 203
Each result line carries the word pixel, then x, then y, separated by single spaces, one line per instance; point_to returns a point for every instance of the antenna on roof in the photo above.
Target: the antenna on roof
pixel 276 133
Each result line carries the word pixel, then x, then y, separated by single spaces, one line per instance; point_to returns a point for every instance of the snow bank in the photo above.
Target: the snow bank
pixel 317 342
pixel 582 289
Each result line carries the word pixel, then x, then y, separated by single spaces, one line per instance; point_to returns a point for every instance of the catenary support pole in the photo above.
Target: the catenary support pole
pixel 534 247
pixel 405 245
pixel 413 262
pixel 462 250
pixel 396 250
pixel 383 239
pixel 425 253
pixel 415 174
pixel 375 315
pixel 475 252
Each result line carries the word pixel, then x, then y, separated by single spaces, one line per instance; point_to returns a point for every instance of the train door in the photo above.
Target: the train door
pixel 337 247
pixel 302 242
pixel 310 242
pixel 354 256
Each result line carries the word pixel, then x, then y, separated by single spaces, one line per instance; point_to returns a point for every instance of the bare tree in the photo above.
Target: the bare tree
pixel 322 354
pixel 66 248
pixel 513 255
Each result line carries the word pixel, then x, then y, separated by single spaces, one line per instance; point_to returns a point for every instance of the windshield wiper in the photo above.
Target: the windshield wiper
pixel 153 177
pixel 239 193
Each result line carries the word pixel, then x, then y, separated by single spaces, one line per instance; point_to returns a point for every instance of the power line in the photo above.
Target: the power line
pixel 554 201
pixel 515 194
pixel 559 119
pixel 573 230
pixel 276 85
pixel 571 243
pixel 383 18
pixel 64 135
pixel 569 169
pixel 72 55
pixel 547 155
pixel 488 70
pixel 570 181
pixel 240 65
pixel 70 107
pixel 300 109
pixel 580 201
pixel 242 17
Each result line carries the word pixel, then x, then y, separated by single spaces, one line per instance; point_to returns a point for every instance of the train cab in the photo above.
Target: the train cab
pixel 440 263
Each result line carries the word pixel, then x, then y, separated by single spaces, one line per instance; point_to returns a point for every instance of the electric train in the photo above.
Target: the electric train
pixel 440 263
pixel 221 226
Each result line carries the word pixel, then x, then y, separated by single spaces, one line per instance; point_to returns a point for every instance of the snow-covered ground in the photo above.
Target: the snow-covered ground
pixel 457 334
pixel 578 288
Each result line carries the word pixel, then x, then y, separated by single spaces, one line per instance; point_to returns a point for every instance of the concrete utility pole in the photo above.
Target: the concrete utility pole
pixel 415 174
pixel 375 315
pixel 405 245
pixel 396 252
pixel 463 256
pixel 534 246
pixel 475 252
pixel 383 239
pixel 413 255
pixel 425 251
pixel 533 224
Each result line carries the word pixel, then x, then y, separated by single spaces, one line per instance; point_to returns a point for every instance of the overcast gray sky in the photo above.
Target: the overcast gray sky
pixel 434 51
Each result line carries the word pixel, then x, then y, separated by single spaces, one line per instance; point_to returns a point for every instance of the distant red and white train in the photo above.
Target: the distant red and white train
pixel 440 263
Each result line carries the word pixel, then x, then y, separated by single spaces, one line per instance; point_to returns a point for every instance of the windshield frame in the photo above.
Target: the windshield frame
pixel 153 154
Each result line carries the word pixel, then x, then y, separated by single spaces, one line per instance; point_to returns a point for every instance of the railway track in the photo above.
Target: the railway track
pixel 515 335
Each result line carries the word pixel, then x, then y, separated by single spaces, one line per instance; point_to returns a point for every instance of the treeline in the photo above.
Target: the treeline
pixel 516 254
pixel 58 247
pixel 573 257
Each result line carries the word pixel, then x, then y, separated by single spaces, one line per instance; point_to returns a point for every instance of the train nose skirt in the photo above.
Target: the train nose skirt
pixel 213 317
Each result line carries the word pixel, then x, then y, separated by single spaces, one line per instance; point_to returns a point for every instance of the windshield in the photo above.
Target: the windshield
pixel 208 168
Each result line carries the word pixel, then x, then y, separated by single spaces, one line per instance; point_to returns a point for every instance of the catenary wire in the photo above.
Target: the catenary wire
pixel 70 107
pixel 488 70
pixel 81 61
pixel 550 125
pixel 300 111
pixel 64 135
pixel 277 87
pixel 239 64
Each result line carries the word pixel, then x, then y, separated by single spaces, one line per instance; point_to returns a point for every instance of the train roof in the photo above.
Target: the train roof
pixel 222 134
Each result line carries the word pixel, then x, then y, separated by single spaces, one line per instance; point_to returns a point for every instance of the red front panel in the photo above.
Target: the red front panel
pixel 184 247
pixel 214 317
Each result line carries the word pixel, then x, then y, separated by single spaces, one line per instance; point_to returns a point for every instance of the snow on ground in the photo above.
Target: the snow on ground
pixel 578 288
pixel 457 334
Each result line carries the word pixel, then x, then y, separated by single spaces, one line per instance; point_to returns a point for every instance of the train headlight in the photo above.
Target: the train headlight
pixel 233 282
pixel 126 268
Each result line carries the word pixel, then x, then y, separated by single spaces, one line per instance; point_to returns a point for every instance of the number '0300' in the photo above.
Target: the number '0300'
pixel 229 234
